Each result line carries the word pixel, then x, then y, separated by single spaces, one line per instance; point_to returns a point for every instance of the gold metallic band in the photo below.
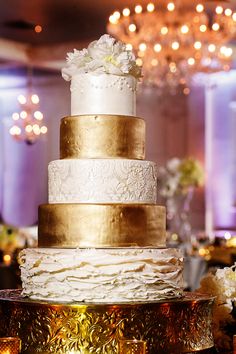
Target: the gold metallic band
pixel 101 225
pixel 102 136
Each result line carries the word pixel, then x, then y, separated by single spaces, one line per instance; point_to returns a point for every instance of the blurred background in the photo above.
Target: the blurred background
pixel 187 97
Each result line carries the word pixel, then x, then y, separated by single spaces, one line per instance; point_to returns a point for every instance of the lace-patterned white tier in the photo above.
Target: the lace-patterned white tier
pixel 102 181
pixel 103 94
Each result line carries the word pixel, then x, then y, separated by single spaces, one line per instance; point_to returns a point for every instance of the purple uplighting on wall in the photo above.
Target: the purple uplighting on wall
pixel 219 155
pixel 23 181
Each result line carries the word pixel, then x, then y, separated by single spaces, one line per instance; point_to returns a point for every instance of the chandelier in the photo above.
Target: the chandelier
pixel 175 40
pixel 28 123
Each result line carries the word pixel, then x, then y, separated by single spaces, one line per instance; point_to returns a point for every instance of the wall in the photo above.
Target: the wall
pixel 175 128
pixel 23 168
pixel 167 124
pixel 220 152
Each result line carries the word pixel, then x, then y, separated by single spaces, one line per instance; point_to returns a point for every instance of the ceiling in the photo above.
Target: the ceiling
pixel 66 24
pixel 61 20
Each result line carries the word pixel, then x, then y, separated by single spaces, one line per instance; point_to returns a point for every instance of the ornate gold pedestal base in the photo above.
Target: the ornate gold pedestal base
pixel 175 326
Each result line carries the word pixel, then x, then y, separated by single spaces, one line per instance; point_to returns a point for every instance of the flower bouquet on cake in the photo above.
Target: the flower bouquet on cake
pixel 105 55
pixel 222 285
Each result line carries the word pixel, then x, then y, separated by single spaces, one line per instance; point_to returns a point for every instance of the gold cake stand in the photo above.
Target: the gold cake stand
pixel 173 326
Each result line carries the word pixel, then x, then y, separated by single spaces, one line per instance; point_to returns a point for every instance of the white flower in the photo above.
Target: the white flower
pixel 119 47
pixel 68 71
pixel 126 61
pixel 75 62
pixel 101 48
pixel 173 183
pixel 223 286
pixel 106 55
pixel 227 279
pixel 169 182
pixel 173 165
pixel 95 65
pixel 76 56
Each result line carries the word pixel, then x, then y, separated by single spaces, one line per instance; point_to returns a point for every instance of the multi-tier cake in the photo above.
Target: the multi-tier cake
pixel 101 272
pixel 102 236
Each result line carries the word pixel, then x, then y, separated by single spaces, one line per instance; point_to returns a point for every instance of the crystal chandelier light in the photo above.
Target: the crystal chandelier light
pixel 175 40
pixel 28 123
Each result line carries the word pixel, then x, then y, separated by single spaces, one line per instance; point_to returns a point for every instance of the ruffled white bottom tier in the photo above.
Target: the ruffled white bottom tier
pixel 102 275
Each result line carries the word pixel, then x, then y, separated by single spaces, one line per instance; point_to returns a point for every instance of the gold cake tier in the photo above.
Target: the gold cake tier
pixel 102 136
pixel 168 326
pixel 101 225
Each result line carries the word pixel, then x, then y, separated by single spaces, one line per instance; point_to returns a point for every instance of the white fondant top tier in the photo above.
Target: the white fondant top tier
pixel 104 78
pixel 103 94
pixel 102 181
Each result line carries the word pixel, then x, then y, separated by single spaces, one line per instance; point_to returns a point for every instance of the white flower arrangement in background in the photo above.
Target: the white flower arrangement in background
pixel 223 286
pixel 178 176
pixel 106 55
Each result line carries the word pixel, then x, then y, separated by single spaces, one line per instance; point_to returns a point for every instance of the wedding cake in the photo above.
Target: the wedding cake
pixel 102 274
pixel 102 236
